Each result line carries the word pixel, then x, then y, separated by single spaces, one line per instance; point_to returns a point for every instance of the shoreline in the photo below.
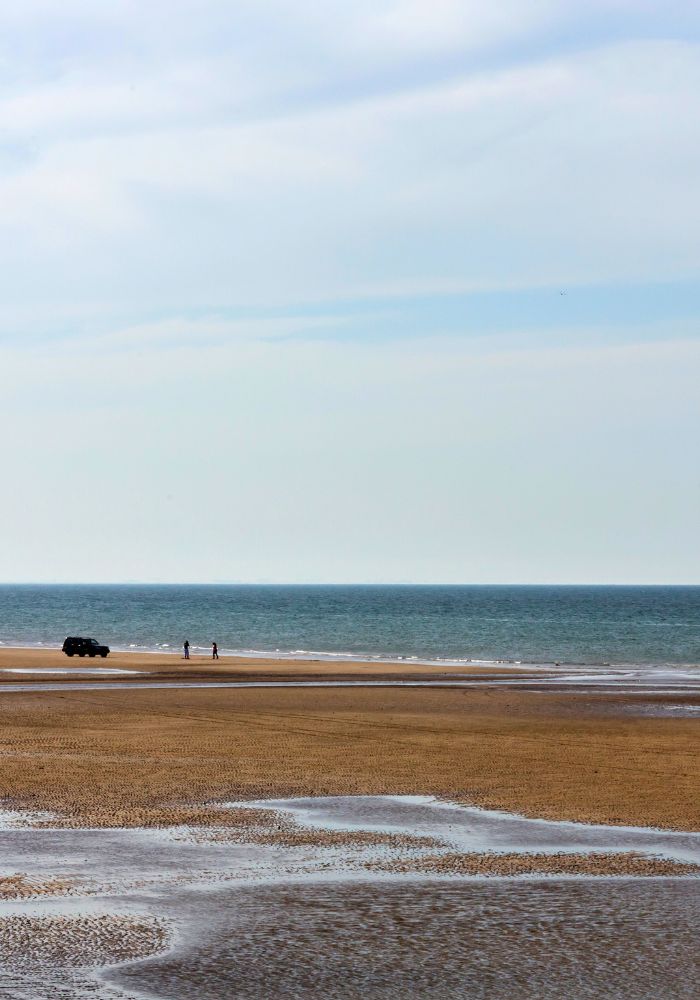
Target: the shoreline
pixel 378 659
pixel 158 661
pixel 170 663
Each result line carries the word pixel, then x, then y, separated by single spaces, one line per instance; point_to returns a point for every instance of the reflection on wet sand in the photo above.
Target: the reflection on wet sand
pixel 337 897
pixel 531 940
pixel 648 683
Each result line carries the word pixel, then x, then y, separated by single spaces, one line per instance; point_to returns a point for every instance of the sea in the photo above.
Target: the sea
pixel 528 625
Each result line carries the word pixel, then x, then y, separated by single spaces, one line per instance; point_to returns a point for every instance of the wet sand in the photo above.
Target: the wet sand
pixel 349 898
pixel 534 940
pixel 149 757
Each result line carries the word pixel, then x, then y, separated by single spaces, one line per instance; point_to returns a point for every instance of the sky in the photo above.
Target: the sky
pixel 392 291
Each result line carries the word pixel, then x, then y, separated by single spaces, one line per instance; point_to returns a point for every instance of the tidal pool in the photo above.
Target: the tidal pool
pixel 305 904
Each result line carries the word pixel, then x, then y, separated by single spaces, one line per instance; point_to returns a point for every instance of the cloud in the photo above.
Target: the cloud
pixel 569 169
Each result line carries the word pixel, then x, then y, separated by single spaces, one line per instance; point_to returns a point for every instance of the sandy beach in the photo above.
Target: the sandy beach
pixel 144 757
pixel 259 834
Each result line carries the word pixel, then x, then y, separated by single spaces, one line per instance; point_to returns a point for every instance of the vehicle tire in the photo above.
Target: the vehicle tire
pixel 69 654
pixel 103 655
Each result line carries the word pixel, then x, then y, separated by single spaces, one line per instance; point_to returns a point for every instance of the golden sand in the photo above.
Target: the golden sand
pixel 23 886
pixel 78 941
pixel 150 757
pixel 619 864
pixel 173 666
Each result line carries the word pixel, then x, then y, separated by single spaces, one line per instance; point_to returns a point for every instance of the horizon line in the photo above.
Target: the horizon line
pixel 356 583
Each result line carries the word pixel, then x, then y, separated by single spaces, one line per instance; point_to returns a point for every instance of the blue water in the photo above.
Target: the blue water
pixel 589 625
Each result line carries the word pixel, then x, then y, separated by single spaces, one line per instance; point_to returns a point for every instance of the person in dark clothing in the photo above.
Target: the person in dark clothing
pixel 186 647
pixel 214 651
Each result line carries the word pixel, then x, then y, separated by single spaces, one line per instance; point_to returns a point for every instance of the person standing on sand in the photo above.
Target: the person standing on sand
pixel 214 651
pixel 186 647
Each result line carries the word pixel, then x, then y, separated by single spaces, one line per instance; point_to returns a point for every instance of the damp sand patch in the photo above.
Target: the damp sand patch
pixel 95 817
pixel 23 886
pixel 231 825
pixel 472 830
pixel 513 865
pixel 378 938
pixel 275 828
pixel 79 941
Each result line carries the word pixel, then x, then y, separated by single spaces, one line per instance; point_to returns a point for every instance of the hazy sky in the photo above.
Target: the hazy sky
pixel 371 291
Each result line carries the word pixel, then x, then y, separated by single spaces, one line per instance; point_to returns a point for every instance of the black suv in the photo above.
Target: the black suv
pixel 83 647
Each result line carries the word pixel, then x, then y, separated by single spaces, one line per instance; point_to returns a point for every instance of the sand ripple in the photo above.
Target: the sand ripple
pixel 78 941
